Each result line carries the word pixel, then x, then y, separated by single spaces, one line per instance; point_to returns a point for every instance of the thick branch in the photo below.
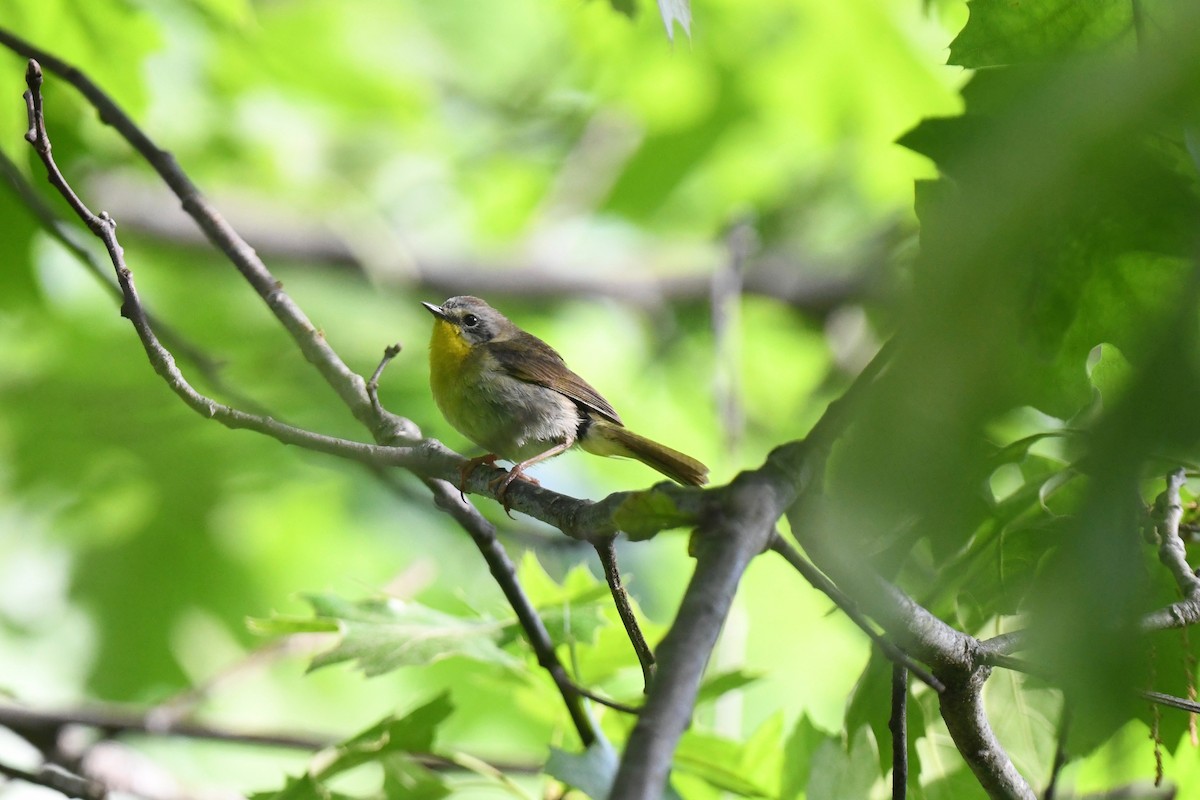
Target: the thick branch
pixel 966 719
pixel 731 533
pixel 808 284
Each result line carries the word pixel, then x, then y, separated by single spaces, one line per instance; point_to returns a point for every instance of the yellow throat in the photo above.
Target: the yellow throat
pixel 447 352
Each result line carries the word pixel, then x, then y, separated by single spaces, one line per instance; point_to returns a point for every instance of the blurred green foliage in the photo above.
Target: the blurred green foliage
pixel 1052 292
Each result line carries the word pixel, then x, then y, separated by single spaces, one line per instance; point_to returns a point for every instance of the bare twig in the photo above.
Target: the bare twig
pixel 727 283
pixel 898 725
pixel 483 533
pixel 808 283
pixel 208 366
pixel 607 551
pixel 43 726
pixel 1060 753
pixel 616 705
pixel 389 353
pixel 59 780
pixel 1168 512
pixel 349 386
pixel 821 583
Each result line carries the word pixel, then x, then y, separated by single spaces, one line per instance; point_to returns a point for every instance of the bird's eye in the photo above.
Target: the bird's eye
pixel 470 321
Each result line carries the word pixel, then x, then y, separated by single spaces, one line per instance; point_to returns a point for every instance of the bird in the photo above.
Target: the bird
pixel 513 395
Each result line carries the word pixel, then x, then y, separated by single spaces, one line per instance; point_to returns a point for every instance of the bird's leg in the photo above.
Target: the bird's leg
pixel 464 472
pixel 501 484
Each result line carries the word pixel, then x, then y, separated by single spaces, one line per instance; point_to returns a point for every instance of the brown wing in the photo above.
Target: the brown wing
pixel 528 358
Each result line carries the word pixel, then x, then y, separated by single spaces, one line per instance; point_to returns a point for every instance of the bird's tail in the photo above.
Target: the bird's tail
pixel 605 438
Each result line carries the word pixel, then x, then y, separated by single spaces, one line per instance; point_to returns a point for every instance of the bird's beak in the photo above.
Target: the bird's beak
pixel 435 310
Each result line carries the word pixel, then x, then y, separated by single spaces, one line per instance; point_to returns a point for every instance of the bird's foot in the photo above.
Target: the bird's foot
pixel 464 472
pixel 500 486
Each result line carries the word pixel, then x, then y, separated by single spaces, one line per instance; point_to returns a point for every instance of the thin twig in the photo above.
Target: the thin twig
pixel 483 533
pixel 206 365
pixel 40 726
pixel 727 284
pixel 822 584
pixel 607 551
pixel 59 780
pixel 616 705
pixel 389 353
pixel 1060 753
pixel 898 725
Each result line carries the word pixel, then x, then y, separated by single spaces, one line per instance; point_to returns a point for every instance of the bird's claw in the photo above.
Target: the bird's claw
pixel 500 486
pixel 465 471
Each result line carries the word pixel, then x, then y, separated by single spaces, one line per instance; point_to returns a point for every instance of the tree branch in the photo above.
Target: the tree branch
pixel 732 531
pixel 483 533
pixel 966 719
pixel 822 584
pixel 59 780
pixel 807 283
pixel 898 725
pixel 1168 512
pixel 607 551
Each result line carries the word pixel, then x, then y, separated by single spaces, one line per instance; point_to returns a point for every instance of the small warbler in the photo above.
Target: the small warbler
pixel 512 394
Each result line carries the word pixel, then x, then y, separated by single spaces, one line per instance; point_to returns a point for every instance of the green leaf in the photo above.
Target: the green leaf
pixel 841 773
pixel 591 772
pixel 384 634
pixel 1110 372
pixel 642 515
pixel 413 733
pixel 722 683
pixel 801 747
pixel 404 777
pixel 389 742
pixel 304 787
pixel 1007 32
pixel 626 7
pixel 719 762
pixel 573 611
pixel 1028 728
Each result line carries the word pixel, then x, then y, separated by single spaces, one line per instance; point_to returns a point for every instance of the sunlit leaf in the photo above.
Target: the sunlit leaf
pixel 721 763
pixel 383 634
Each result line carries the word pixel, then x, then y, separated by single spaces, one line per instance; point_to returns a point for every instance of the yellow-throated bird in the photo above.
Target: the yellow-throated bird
pixel 512 394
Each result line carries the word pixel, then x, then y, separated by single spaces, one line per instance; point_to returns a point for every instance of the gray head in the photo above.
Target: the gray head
pixel 474 319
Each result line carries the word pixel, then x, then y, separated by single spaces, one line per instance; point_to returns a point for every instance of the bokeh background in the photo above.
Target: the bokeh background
pixel 586 174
